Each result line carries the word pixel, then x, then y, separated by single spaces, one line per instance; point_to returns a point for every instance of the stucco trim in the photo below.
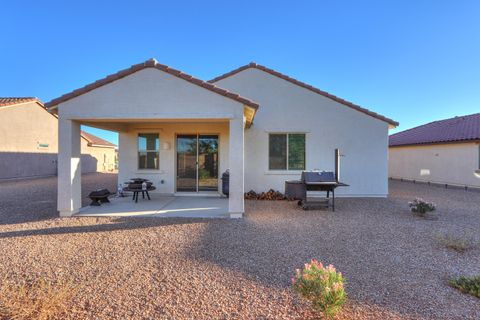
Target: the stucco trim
pixel 254 65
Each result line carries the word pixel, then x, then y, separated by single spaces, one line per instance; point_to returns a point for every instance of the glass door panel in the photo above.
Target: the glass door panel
pixel 207 163
pixel 187 163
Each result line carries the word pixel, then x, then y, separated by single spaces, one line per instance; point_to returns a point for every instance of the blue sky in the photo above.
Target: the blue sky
pixel 413 61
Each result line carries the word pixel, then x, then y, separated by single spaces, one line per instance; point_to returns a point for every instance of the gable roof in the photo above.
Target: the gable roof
pixel 91 139
pixel 96 141
pixel 457 129
pixel 152 63
pixel 306 86
pixel 10 101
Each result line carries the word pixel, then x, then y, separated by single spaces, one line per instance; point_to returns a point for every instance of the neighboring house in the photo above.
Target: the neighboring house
pixel 29 142
pixel 182 133
pixel 445 151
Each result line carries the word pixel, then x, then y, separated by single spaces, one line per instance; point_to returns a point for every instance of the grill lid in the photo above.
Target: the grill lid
pixel 318 177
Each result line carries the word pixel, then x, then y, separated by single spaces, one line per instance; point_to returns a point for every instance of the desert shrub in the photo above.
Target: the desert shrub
pixel 39 300
pixel 322 286
pixel 421 207
pixel 459 244
pixel 470 285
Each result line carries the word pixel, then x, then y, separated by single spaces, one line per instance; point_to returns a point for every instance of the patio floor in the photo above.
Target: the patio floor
pixel 161 206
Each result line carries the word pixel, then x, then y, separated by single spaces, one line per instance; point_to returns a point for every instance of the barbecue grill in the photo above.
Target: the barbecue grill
pixel 321 181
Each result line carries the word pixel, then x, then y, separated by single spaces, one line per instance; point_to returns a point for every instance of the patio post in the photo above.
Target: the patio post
pixel 236 158
pixel 69 199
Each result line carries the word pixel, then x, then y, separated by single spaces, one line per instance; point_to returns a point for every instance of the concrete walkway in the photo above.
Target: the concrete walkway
pixel 161 206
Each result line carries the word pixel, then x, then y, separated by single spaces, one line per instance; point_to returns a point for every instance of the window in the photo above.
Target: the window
pixel 148 147
pixel 286 151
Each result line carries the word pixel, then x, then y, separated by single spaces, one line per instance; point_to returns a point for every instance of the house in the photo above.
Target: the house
pixel 445 152
pixel 29 142
pixel 182 133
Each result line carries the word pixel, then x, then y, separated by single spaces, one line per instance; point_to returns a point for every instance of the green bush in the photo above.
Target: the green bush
pixel 421 207
pixel 322 286
pixel 470 285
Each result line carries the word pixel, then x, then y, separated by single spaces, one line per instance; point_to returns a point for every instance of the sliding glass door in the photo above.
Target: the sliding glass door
pixel 197 163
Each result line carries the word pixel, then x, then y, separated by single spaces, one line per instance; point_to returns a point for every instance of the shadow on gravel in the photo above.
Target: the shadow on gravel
pixel 378 245
pixel 31 200
pixel 117 224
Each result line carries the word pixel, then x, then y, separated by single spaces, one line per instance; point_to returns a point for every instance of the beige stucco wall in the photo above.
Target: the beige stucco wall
pixel 128 156
pixel 25 130
pixel 151 100
pixel 150 94
pixel 23 127
pixel 154 101
pixel 285 107
pixel 453 163
pixel 104 156
pixel 153 96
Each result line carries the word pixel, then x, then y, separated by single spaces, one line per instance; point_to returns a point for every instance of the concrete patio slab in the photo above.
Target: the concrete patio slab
pixel 161 206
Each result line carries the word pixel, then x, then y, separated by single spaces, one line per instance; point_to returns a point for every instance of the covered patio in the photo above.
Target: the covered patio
pixel 161 206
pixel 177 131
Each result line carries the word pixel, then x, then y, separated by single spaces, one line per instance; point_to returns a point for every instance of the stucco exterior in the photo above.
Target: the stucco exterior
pixel 450 163
pixel 164 177
pixel 25 127
pixel 153 101
pixel 288 108
pixel 152 98
pixel 29 144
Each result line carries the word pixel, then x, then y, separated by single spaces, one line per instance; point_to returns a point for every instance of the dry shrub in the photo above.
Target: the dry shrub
pixel 470 285
pixel 459 244
pixel 36 300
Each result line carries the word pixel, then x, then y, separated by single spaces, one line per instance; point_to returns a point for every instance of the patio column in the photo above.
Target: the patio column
pixel 236 156
pixel 69 199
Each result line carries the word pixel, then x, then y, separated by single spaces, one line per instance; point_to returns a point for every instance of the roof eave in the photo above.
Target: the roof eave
pixel 101 146
pixel 392 123
pixel 419 144
pixel 152 63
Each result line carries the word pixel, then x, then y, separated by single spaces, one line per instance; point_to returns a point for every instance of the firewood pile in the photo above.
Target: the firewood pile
pixel 269 195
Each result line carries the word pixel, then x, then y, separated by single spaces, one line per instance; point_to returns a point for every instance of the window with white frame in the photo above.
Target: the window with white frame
pixel 148 150
pixel 286 151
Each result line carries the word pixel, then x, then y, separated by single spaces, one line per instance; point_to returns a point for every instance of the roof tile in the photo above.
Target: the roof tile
pixel 463 128
pixel 152 63
pixel 8 101
pixel 306 86
pixel 94 140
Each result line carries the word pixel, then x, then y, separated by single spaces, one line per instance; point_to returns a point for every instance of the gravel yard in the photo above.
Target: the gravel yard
pixel 127 268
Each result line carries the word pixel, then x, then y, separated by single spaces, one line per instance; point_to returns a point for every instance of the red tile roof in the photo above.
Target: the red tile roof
pixel 463 128
pixel 306 86
pixel 152 63
pixel 96 141
pixel 8 101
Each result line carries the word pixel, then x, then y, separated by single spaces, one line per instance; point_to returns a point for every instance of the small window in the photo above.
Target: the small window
pixel 286 151
pixel 148 151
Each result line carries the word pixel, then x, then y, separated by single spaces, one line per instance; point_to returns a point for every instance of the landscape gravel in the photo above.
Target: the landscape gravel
pixel 172 268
